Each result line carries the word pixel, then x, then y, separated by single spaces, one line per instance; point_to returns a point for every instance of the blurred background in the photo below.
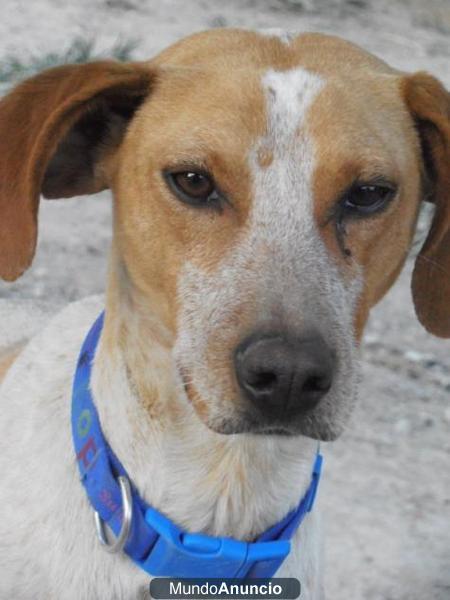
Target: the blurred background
pixel 386 489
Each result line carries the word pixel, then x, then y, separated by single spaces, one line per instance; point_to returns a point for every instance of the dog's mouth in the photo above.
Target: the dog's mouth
pixel 317 429
pixel 246 421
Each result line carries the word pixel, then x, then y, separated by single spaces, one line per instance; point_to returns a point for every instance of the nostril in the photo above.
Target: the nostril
pixel 282 375
pixel 262 381
pixel 312 384
pixel 312 389
pixel 316 383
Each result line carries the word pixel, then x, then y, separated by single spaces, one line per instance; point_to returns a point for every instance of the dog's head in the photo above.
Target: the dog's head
pixel 266 193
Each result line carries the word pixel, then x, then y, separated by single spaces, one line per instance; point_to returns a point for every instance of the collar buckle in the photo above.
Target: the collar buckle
pixel 179 554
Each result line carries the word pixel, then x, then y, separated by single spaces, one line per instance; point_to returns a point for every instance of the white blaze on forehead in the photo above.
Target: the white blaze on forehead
pixel 279 275
pixel 289 95
pixel 283 190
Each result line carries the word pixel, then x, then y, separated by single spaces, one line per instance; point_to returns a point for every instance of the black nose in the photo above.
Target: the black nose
pixel 283 375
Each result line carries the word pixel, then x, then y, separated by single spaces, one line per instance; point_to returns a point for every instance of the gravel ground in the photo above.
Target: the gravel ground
pixel 386 490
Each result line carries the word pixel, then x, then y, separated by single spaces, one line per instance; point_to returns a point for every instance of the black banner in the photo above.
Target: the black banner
pixel 163 588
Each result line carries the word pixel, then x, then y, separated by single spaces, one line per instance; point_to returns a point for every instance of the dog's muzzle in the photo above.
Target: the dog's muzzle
pixel 284 376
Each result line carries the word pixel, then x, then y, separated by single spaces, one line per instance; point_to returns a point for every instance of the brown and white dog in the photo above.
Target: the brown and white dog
pixel 266 190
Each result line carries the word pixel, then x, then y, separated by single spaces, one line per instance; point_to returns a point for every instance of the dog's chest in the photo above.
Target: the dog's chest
pixel 48 545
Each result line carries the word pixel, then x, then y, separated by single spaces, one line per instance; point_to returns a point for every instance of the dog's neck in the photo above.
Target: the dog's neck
pixel 235 485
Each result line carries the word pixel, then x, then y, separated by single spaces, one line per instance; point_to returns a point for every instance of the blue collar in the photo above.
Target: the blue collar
pixel 152 541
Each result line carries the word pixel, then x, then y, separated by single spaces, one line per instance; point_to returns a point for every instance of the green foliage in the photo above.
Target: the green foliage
pixel 80 51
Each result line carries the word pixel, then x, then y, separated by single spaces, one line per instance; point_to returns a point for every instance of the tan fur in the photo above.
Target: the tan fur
pixel 213 125
pixel 384 144
pixel 34 118
pixel 429 103
pixel 285 127
pixel 6 361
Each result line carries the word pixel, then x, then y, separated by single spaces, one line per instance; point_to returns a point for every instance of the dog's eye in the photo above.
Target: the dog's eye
pixel 367 199
pixel 193 187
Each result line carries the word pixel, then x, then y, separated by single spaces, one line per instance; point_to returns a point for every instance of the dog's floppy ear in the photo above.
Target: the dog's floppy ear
pixel 55 129
pixel 429 104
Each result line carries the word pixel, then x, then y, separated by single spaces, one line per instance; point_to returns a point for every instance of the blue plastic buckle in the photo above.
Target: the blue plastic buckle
pixel 181 555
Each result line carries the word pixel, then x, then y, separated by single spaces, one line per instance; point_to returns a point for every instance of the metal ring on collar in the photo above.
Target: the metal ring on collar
pixel 127 509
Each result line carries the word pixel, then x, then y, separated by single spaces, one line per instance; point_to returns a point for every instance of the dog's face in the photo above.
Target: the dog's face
pixel 266 193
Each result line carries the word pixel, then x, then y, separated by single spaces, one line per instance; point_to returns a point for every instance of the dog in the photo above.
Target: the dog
pixel 266 190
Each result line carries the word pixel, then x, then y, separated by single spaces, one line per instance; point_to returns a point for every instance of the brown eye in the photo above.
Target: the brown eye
pixel 367 199
pixel 193 187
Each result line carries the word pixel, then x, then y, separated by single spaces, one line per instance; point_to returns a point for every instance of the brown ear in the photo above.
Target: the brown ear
pixel 429 103
pixel 54 130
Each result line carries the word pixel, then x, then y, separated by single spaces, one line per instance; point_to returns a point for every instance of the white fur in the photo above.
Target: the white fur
pixel 279 273
pixel 234 485
pixel 48 548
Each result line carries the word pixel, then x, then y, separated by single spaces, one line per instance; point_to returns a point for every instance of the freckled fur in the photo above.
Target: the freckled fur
pixel 269 276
